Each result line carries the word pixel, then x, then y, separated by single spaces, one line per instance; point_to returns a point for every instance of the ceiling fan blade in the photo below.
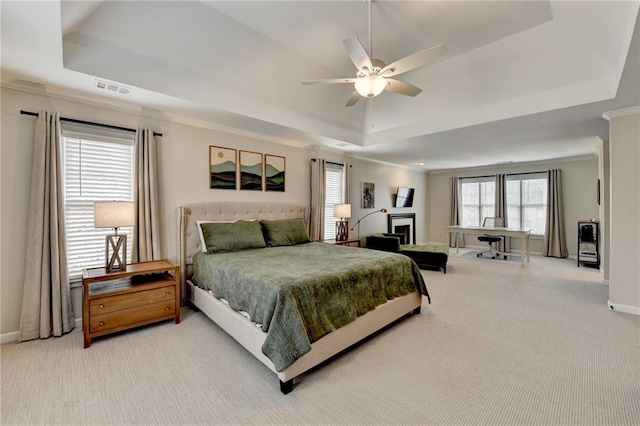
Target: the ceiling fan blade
pixel 401 87
pixel 357 53
pixel 330 81
pixel 414 61
pixel 353 99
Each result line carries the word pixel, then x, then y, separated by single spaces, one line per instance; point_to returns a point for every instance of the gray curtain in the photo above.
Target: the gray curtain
pixel 555 241
pixel 46 296
pixel 501 209
pixel 455 212
pixel 316 224
pixel 346 173
pixel 146 231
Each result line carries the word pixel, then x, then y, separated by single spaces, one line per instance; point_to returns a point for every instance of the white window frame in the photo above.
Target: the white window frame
pixel 523 207
pixel 480 206
pixel 85 244
pixel 334 180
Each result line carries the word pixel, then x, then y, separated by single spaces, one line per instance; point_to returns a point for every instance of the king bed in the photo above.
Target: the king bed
pixel 292 303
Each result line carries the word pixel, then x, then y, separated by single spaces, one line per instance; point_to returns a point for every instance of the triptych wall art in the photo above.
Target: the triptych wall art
pixel 248 170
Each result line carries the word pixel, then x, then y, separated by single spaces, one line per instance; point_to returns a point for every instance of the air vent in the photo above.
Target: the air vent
pixel 112 87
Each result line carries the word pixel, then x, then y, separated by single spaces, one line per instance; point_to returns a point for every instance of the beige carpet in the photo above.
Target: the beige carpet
pixel 500 344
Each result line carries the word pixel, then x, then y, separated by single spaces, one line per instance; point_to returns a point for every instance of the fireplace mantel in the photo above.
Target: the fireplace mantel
pixel 391 217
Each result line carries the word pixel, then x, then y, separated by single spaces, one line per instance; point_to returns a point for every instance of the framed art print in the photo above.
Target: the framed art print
pixel 368 195
pixel 222 167
pixel 274 172
pixel 251 170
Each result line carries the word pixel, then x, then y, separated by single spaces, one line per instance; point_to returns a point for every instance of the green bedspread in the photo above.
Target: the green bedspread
pixel 300 293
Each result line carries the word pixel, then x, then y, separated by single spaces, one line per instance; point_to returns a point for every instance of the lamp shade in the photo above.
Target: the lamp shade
pixel 342 210
pixel 370 86
pixel 113 214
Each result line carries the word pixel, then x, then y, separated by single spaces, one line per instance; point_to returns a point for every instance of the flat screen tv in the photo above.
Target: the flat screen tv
pixel 404 197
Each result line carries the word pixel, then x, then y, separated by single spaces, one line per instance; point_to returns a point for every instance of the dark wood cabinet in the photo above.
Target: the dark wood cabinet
pixel 589 243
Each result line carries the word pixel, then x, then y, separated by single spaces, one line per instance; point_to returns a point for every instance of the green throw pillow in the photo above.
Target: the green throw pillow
pixel 285 232
pixel 240 235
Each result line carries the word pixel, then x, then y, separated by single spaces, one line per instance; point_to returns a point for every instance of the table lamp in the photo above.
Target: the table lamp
pixel 383 210
pixel 114 214
pixel 343 212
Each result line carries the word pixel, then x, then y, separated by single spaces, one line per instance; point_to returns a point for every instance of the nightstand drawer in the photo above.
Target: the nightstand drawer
pixel 108 304
pixel 141 294
pixel 131 316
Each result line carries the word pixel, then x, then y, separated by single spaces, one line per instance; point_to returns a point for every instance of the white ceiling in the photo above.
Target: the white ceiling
pixel 523 81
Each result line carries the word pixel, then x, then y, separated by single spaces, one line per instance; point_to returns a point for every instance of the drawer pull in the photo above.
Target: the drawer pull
pixel 101 322
pixel 167 308
pixel 101 305
pixel 167 293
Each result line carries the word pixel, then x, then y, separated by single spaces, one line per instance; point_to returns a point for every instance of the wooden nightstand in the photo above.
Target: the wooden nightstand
pixel 144 293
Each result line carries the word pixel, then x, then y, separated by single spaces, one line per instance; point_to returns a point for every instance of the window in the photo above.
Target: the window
pixel 97 167
pixel 334 194
pixel 477 199
pixel 527 202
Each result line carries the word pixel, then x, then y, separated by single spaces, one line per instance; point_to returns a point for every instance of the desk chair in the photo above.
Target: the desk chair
pixel 491 222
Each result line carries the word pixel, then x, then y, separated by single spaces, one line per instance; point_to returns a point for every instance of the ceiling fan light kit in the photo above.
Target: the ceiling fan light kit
pixel 372 76
pixel 370 86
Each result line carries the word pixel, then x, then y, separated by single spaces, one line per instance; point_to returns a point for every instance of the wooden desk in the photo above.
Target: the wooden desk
pixel 523 234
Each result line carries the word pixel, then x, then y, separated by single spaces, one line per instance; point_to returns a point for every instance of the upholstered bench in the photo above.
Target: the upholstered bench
pixel 426 256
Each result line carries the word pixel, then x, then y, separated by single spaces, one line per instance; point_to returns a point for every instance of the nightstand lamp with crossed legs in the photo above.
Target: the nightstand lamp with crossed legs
pixel 114 214
pixel 342 212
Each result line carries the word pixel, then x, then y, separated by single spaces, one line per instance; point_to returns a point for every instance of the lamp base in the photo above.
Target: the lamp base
pixel 342 230
pixel 116 253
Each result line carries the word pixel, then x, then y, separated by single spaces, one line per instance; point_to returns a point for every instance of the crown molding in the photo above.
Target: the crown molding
pixel 508 167
pixel 607 115
pixel 141 110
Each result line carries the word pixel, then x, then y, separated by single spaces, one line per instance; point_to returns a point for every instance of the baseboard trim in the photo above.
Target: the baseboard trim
pixel 9 337
pixel 13 335
pixel 634 310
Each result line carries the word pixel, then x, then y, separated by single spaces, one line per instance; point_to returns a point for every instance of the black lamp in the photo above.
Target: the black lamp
pixel 383 210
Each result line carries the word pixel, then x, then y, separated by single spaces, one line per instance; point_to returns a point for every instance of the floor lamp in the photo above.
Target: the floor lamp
pixel 343 212
pixel 114 214
pixel 383 210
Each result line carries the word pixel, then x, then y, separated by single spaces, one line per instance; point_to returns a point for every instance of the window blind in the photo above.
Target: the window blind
pixel 527 202
pixel 333 195
pixel 478 200
pixel 97 168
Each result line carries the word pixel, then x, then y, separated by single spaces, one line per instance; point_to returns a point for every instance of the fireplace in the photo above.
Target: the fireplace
pixel 403 223
pixel 404 230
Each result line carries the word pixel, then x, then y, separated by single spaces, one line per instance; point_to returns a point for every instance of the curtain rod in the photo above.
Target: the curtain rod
pixel 331 162
pixel 91 123
pixel 506 174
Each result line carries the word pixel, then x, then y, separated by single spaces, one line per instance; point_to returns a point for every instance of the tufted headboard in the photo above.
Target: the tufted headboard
pixel 189 240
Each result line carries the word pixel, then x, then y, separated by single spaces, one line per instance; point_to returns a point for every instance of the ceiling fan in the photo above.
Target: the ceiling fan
pixel 373 76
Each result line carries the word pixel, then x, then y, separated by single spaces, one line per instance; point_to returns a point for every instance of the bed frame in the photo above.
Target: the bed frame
pixel 242 330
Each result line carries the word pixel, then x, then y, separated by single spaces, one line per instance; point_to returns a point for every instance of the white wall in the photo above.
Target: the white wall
pixel 184 157
pixel 579 179
pixel 624 260
pixel 387 179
